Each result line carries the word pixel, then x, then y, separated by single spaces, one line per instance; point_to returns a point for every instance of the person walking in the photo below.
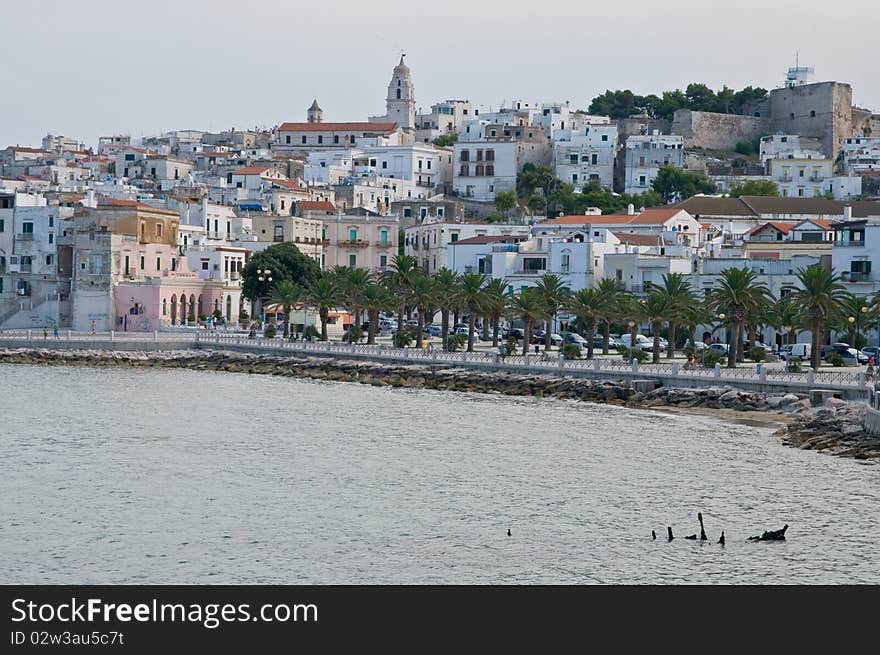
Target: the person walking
pixel 55 330
pixel 94 327
pixel 45 333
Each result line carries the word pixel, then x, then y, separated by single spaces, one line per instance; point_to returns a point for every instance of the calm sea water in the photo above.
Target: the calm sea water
pixel 128 475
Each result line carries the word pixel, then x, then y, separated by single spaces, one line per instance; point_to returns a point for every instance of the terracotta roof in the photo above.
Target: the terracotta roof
pixel 483 239
pixel 25 149
pixel 289 184
pixel 338 127
pixel 317 205
pixel 215 154
pixel 755 206
pixel 116 202
pixel 647 217
pixel 785 228
pixel 252 170
pixel 640 239
pixel 824 223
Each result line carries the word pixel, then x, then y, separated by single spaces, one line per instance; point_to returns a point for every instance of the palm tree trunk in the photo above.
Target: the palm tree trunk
pixel 444 328
pixel 485 336
pixel 606 336
pixel 656 326
pixel 670 351
pixel 591 330
pixel 548 332
pixel 400 321
pixel 692 336
pixel 496 328
pixel 816 355
pixel 527 337
pixel 421 333
pixel 286 322
pixel 324 313
pixel 732 346
pixel 371 329
pixel 633 334
pixel 472 322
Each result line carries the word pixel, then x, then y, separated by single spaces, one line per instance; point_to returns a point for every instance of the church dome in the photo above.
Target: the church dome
pixel 401 70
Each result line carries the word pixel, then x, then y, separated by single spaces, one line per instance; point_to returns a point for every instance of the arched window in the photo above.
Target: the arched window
pixel 398 94
pixel 164 306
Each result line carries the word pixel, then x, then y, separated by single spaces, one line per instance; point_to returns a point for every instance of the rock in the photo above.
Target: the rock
pixel 788 399
pixel 729 396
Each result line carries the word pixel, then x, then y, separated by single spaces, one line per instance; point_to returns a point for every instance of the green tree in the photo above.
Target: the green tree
pixel 286 293
pixel 532 178
pixel 754 188
pixel 736 294
pixel 352 284
pixel 674 183
pixel 631 311
pixel 658 307
pixel 693 315
pixel 588 305
pixel 612 294
pixel 505 201
pixel 377 298
pixel 324 294
pixel 494 304
pixel 556 294
pixel 471 297
pixel 421 293
pixel 536 203
pixel 286 263
pixel 820 296
pixel 529 306
pixel 445 285
pixel 678 292
pixel 397 278
pixel 446 140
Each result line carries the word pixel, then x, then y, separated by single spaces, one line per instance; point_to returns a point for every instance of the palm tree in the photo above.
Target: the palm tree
pixel 678 292
pixel 785 315
pixel 324 294
pixel 398 276
pixel 494 304
pixel 421 294
pixel 470 295
pixel 658 306
pixel 737 293
pixel 860 310
pixel 377 298
pixel 820 296
pixel 611 291
pixel 696 314
pixel 556 293
pixel 632 312
pixel 445 286
pixel 589 306
pixel 530 307
pixel 352 283
pixel 286 293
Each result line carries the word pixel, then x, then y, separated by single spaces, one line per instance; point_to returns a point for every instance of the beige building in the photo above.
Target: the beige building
pixel 368 242
pixel 305 233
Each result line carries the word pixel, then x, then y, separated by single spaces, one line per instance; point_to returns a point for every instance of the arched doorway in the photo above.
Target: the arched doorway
pixel 173 310
pixel 164 306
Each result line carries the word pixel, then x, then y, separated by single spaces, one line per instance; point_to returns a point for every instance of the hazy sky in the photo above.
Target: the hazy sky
pixel 94 67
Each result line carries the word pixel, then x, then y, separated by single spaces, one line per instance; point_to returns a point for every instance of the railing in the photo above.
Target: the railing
pixel 846 244
pixel 855 276
pixel 354 243
pixel 384 244
pixel 671 373
pixel 26 268
pixel 25 236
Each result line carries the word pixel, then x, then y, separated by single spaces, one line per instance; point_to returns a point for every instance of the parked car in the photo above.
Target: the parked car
pixel 575 338
pixel 850 355
pixel 800 350
pixel 517 333
pixel 872 351
pixel 433 330
pixel 642 342
pixel 461 329
pixel 539 338
pixel 699 346
pixel 720 348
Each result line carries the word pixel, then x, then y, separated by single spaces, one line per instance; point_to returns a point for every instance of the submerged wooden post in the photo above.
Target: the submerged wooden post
pixel 670 533
pixel 702 530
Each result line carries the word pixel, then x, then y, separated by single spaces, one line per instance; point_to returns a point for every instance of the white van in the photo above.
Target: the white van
pixel 801 350
pixel 642 342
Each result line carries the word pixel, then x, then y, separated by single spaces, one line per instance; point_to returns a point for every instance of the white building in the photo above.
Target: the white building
pixel 429 241
pixel 645 154
pixel 856 247
pixel 444 119
pixel 860 155
pixel 400 103
pixel 809 178
pixel 482 168
pixel 585 154
pixel 789 146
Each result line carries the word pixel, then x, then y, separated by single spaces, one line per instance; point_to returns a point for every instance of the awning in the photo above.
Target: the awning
pixel 251 206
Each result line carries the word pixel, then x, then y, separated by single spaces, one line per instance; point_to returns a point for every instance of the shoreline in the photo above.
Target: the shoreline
pixel 835 428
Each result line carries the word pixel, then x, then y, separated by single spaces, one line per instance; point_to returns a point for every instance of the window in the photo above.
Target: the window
pixel 812 113
pixel 490 170
pixel 385 164
pixel 791 115
pixel 2 225
pixel 595 159
pixel 287 139
pixel 463 171
pixel 453 237
pixel 423 212
pixel 304 139
pixel 153 171
pixel 573 159
pixel 465 155
pixel 604 137
pixel 574 178
pixel 398 94
pixel 51 221
pixel 158 263
pixel 429 164
pixel 49 260
pixel 279 233
pixel 383 236
pixel 440 212
pixel 282 207
pixel 126 265
pixel 479 154
pixel 204 266
pixel 478 170
pixel 335 138
pixel 27 228
pixel 129 157
pixel 641 180
pixel 159 228
pixel 352 261
pixel 407 212
pixel 383 261
pixel 174 263
pixel 51 238
pixel 142 263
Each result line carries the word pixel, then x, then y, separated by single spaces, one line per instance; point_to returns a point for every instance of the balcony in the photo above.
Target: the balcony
pixel 855 276
pixel 354 243
pixel 25 236
pixel 531 271
pixel 234 275
pixel 385 244
pixel 26 268
pixel 849 244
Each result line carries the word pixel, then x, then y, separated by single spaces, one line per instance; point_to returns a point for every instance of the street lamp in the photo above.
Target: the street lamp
pixel 263 275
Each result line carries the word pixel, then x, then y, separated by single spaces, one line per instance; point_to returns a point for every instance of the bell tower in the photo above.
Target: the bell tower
pixel 315 115
pixel 400 104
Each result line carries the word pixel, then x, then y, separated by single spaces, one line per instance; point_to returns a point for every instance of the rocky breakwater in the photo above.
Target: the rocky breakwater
pixel 833 428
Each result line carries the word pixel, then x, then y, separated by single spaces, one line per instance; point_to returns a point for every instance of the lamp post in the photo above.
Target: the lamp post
pixel 263 275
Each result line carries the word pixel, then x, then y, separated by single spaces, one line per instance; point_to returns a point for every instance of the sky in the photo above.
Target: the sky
pixel 98 67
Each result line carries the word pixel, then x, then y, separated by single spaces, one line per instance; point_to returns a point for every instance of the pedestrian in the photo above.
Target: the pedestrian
pixel 45 332
pixel 55 330
pixel 94 327
pixel 869 373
